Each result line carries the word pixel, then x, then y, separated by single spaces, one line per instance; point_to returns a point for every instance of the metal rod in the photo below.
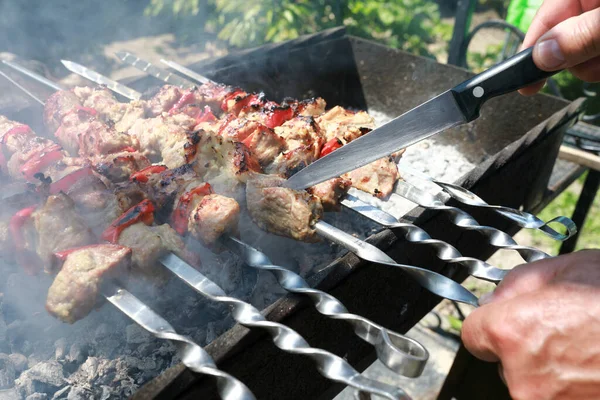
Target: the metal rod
pixel 192 355
pixel 329 365
pixel 153 70
pixel 445 251
pixel 33 75
pixel 462 219
pixel 186 71
pixel 21 87
pixel 399 353
pixel 521 218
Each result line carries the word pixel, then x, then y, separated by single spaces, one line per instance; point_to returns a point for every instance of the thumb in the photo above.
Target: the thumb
pixel 570 43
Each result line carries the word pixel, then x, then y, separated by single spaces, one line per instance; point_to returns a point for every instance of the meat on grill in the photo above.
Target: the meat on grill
pixel 377 178
pixel 212 217
pixel 59 227
pixel 281 210
pixel 330 192
pixel 345 125
pixel 75 290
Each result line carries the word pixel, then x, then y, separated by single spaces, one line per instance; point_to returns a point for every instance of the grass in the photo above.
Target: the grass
pixel 564 204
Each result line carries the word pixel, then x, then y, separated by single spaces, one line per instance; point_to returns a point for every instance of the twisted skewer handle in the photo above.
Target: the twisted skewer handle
pixel 192 355
pixel 329 365
pixel 399 353
pixel 445 251
pixel 521 218
pixel 462 219
pixel 432 281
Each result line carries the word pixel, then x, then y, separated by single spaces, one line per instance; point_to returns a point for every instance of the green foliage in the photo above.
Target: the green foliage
pixel 407 24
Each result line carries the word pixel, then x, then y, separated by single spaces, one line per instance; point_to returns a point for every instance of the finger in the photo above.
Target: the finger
pixel 550 14
pixel 532 89
pixel 475 334
pixel 572 42
pixel 588 71
pixel 530 277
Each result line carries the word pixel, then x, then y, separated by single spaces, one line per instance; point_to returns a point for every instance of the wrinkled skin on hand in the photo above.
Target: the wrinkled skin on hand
pixel 566 35
pixel 543 324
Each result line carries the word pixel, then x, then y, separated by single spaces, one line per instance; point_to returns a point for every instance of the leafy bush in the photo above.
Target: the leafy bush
pixel 407 24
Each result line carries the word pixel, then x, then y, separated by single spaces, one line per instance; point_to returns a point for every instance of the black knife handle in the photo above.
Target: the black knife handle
pixel 512 74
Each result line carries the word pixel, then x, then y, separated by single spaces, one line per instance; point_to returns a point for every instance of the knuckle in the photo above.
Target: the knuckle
pixel 585 39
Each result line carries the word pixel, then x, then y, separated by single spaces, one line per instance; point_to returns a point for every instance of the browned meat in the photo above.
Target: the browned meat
pixel 213 94
pixel 345 125
pixel 307 108
pixel 148 244
pixel 261 140
pixel 81 132
pixel 165 139
pixel 222 160
pixel 330 192
pixel 59 227
pixel 212 217
pixel 57 106
pixel 280 210
pixel 118 167
pixel 164 100
pixel 74 292
pixel 377 178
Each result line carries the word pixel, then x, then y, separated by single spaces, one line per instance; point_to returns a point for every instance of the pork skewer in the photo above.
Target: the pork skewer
pixel 460 218
pixel 429 279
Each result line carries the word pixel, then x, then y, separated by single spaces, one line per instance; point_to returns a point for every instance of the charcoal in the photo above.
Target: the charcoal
pixel 3 335
pixel 10 394
pixel 19 361
pixel 37 396
pixel 62 393
pixel 45 377
pixel 147 349
pixel 78 352
pixel 79 393
pixel 136 334
pixel 7 372
pixel 60 349
pixel 102 331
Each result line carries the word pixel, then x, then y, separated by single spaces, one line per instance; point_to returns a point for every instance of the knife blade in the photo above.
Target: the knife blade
pixel 101 80
pixel 153 70
pixel 454 107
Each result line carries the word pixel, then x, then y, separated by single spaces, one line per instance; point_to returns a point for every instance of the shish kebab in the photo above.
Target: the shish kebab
pixel 303 201
pixel 78 281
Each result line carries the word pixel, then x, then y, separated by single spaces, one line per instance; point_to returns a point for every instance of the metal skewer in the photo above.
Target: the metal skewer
pixel 192 355
pixel 521 218
pixel 288 340
pixel 400 354
pixel 460 218
pixel 330 366
pixel 445 251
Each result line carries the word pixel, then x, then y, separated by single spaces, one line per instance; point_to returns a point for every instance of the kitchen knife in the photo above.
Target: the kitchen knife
pixel 101 79
pixel 456 106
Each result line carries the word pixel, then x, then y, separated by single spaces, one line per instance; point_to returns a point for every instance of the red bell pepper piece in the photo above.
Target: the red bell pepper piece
pixel 129 149
pixel 142 212
pixel 206 116
pixel 143 174
pixel 187 98
pixel 331 146
pixel 16 131
pixel 86 110
pixel 277 115
pixel 182 212
pixel 40 160
pixel 236 95
pixel 64 184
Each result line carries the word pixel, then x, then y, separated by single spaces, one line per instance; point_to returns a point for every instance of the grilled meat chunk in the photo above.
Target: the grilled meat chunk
pixel 260 139
pixel 280 210
pixel 212 217
pixel 81 132
pixel 74 292
pixel 345 125
pixel 57 106
pixel 307 108
pixel 148 244
pixel 59 227
pixel 377 178
pixel 330 192
pixel 164 100
pixel 118 167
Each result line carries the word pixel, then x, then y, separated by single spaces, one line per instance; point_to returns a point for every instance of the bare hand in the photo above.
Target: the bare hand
pixel 566 35
pixel 543 324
